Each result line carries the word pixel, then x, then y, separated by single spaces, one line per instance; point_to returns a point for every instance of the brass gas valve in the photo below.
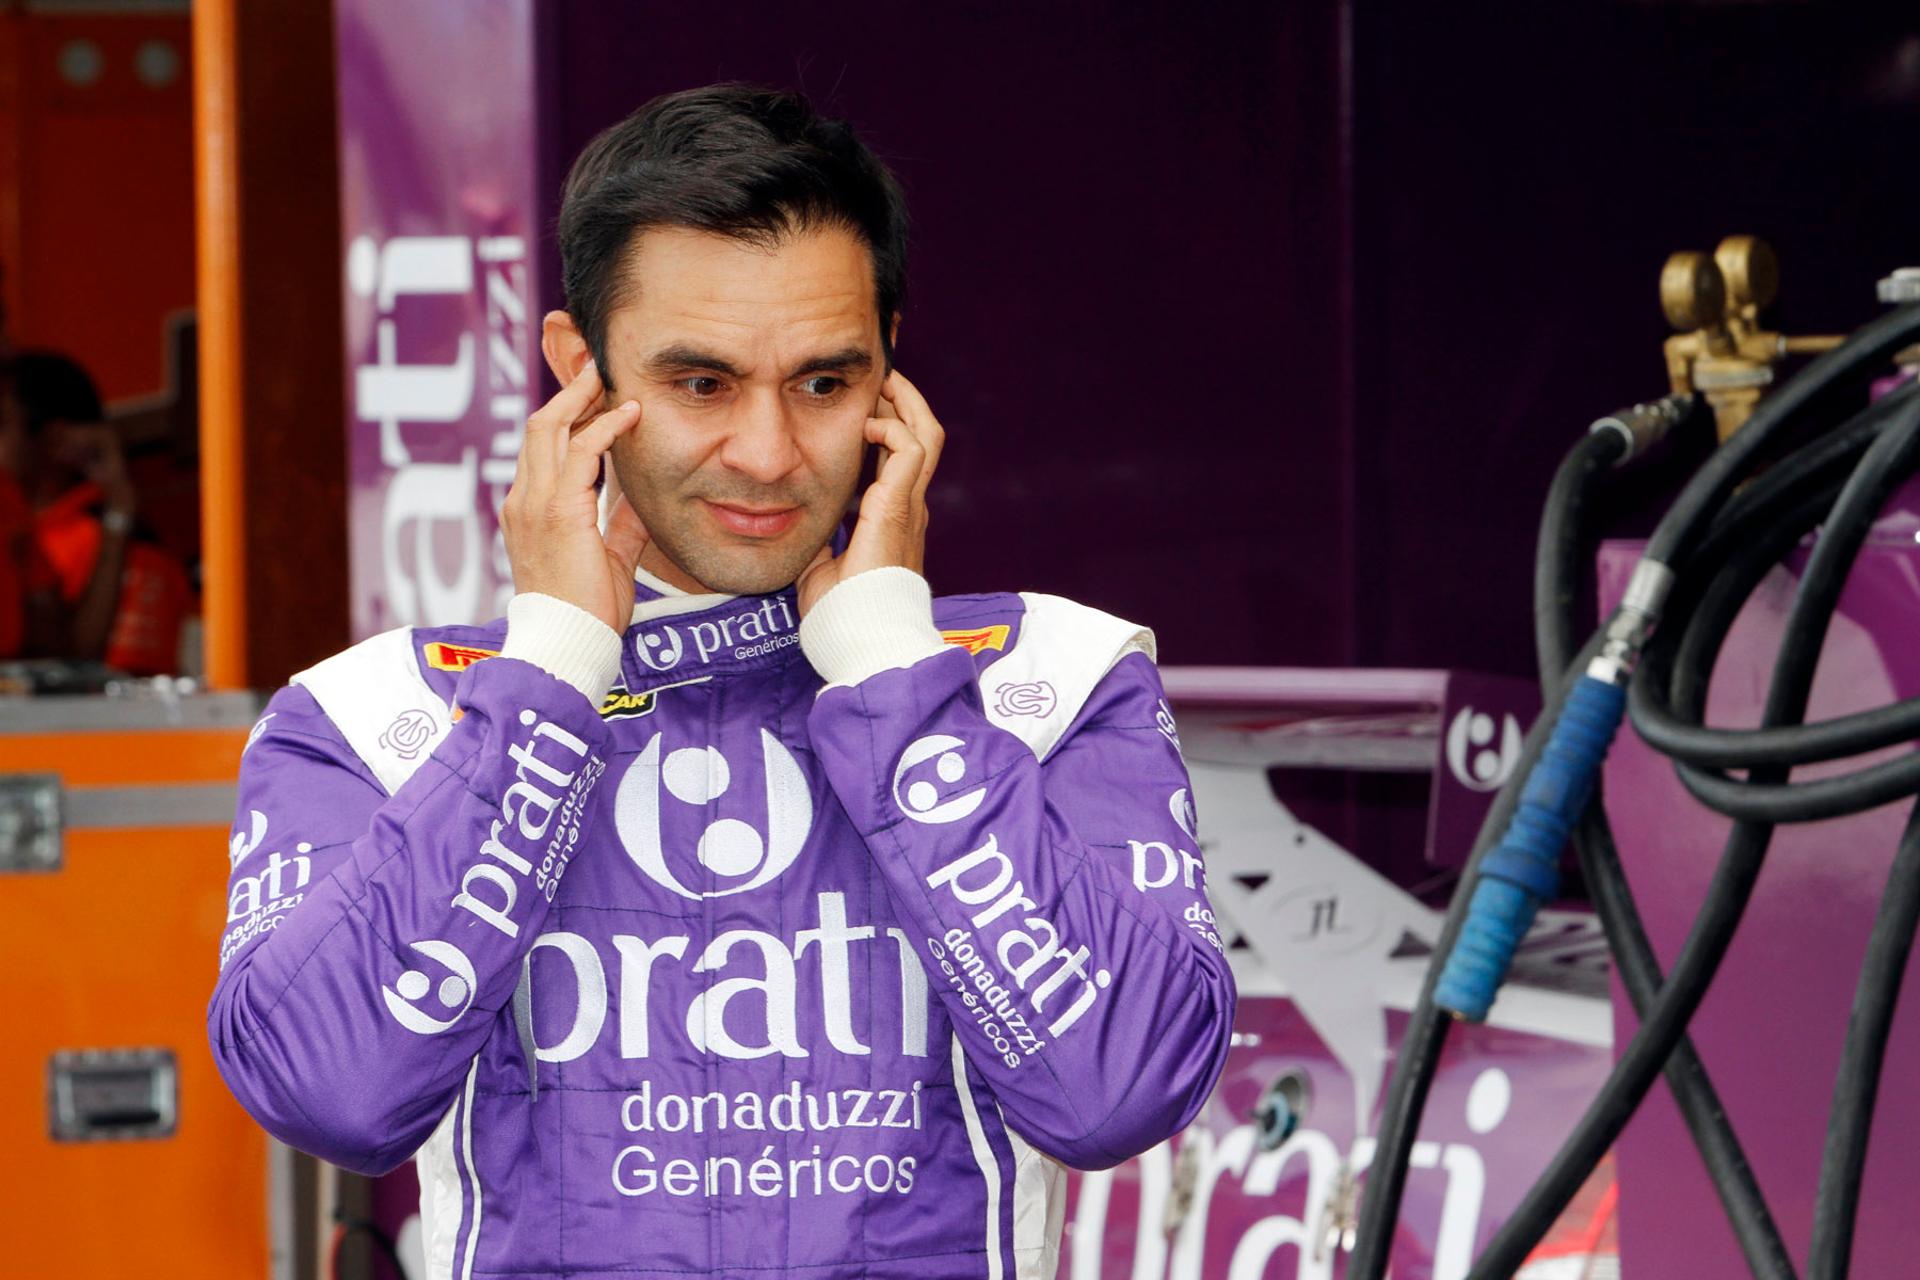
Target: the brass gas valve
pixel 1721 351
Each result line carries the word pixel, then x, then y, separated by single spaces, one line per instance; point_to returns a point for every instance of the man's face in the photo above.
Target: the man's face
pixel 756 371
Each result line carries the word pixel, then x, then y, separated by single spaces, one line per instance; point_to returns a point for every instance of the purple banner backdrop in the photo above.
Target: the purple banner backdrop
pixel 439 219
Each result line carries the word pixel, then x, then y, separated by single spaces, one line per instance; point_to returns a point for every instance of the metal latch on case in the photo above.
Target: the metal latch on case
pixel 30 822
pixel 99 1095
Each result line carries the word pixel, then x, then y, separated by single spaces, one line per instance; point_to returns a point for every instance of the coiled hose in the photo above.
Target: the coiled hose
pixel 1718 544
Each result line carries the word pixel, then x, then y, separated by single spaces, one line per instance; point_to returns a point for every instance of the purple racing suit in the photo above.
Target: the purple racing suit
pixel 741 971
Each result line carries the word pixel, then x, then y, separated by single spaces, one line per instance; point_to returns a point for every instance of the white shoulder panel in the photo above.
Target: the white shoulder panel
pixel 1064 650
pixel 375 695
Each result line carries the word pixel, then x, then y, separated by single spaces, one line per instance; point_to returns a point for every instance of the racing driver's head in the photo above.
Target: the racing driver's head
pixel 727 257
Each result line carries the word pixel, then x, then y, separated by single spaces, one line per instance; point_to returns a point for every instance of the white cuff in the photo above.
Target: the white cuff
pixel 565 641
pixel 869 623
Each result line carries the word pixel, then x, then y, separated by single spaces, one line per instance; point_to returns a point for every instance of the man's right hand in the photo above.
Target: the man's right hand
pixel 551 514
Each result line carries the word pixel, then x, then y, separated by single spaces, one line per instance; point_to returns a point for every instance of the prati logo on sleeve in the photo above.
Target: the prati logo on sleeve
pixel 930 770
pixel 1157 864
pixel 242 843
pixel 1474 758
pixel 450 980
pixel 260 899
pixel 258 731
pixel 744 849
pixel 1180 805
pixel 528 845
pixel 1164 722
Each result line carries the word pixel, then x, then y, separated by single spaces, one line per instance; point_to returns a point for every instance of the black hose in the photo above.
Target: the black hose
pixel 1799 744
pixel 1888 462
pixel 1417 1061
pixel 1776 519
pixel 1562 548
pixel 1782 803
pixel 1857 1084
pixel 1732 886
pixel 1699 516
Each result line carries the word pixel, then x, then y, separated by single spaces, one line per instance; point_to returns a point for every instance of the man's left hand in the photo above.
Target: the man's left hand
pixel 891 528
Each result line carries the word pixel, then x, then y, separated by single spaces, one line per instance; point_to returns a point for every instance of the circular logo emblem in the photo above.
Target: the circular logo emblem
pixel 1475 759
pixel 660 650
pixel 409 733
pixel 731 848
pixel 1027 698
pixel 454 991
pixel 928 793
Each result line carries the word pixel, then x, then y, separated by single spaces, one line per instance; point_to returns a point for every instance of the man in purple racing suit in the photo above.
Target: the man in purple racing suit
pixel 731 907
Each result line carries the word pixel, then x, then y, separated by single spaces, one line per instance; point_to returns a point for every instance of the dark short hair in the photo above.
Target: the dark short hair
pixel 739 160
pixel 51 388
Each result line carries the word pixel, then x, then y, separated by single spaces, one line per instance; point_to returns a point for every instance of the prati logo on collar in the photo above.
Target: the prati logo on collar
pixel 660 649
pixel 735 850
pixel 766 627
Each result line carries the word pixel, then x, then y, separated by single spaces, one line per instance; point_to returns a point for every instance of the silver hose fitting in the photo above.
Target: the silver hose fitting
pixel 1632 622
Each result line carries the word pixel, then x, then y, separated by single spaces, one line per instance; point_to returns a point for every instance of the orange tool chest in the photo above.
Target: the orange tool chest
pixel 121 1151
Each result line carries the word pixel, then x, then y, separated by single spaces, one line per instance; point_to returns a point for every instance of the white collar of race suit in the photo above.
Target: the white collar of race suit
pixel 670 601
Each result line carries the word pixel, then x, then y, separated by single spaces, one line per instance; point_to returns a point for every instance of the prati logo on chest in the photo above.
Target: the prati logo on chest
pixel 752 840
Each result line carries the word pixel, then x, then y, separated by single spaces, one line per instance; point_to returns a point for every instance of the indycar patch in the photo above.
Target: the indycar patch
pixel 621 705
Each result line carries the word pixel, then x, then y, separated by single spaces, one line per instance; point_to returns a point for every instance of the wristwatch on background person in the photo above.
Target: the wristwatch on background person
pixel 116 520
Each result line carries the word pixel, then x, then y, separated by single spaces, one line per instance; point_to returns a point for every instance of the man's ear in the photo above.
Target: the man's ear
pixel 893 334
pixel 564 347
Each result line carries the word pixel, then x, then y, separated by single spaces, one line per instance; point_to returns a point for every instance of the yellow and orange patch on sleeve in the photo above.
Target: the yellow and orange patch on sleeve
pixel 979 639
pixel 455 657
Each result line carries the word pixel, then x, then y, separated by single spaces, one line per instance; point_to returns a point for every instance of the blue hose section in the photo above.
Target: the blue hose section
pixel 1523 870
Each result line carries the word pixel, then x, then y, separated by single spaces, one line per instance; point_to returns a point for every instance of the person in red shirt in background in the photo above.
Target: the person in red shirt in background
pixel 84 586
